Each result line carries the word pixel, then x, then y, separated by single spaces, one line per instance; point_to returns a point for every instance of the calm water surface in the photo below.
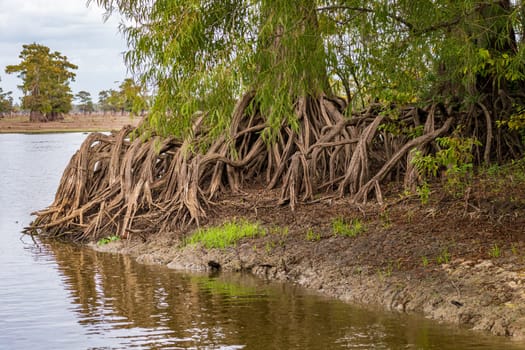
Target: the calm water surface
pixel 56 296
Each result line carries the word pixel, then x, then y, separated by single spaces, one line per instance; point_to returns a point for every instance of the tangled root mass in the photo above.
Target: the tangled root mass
pixel 118 185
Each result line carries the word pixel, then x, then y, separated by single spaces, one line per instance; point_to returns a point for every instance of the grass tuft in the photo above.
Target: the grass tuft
pixel 312 236
pixel 226 235
pixel 109 239
pixel 352 229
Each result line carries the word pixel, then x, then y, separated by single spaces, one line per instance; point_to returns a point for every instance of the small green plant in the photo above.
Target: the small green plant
pixel 454 157
pixel 226 235
pixel 311 236
pixel 410 216
pixel 108 239
pixel 281 233
pixel 269 247
pixel 495 251
pixel 443 257
pixel 385 219
pixel 423 192
pixel 385 272
pixel 514 249
pixel 352 229
pixel 389 269
pixel 425 261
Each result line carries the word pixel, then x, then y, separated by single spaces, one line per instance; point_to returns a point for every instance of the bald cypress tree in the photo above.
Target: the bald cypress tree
pixel 6 102
pixel 308 98
pixel 46 76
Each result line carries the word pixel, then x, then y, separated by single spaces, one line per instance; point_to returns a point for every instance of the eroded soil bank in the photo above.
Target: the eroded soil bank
pixel 457 260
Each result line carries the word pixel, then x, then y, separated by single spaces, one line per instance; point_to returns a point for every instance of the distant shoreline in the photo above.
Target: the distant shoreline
pixel 71 123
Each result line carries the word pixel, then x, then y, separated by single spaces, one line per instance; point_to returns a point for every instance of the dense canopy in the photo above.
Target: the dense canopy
pixel 202 55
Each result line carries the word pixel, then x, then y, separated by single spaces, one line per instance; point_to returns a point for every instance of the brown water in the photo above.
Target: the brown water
pixel 58 296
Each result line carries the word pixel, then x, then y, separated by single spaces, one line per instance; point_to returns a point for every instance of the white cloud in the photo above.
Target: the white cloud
pixel 71 28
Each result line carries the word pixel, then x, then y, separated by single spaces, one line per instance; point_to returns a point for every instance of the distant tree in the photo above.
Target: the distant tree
pixel 132 97
pixel 46 76
pixel 129 98
pixel 115 101
pixel 85 102
pixel 103 104
pixel 109 101
pixel 6 102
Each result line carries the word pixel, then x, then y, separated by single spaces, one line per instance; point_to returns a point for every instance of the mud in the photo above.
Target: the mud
pixel 70 123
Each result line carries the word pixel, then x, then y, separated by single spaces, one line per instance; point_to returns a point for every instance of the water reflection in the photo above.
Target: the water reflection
pixel 137 306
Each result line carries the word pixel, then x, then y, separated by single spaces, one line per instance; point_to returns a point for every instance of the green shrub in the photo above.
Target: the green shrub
pixel 455 157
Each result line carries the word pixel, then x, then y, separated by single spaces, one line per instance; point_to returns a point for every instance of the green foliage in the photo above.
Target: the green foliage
pixel 226 235
pixel 423 192
pixel 342 228
pixel 496 64
pixel 517 119
pixel 515 122
pixel 46 76
pixel 109 101
pixel 132 97
pixel 109 239
pixel 129 98
pixel 454 158
pixel 203 55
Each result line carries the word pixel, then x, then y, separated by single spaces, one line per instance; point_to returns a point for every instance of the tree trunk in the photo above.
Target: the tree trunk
pixel 37 117
pixel 53 116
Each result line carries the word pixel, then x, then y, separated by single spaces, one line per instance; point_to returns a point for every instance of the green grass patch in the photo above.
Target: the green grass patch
pixel 443 257
pixel 109 239
pixel 349 229
pixel 495 251
pixel 226 235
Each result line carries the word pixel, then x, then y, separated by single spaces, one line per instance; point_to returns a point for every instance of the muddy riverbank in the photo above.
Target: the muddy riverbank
pixel 70 123
pixel 456 259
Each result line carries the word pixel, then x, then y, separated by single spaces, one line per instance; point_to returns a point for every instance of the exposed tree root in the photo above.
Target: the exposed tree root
pixel 115 185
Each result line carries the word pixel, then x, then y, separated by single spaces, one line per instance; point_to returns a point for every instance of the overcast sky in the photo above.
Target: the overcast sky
pixel 71 28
